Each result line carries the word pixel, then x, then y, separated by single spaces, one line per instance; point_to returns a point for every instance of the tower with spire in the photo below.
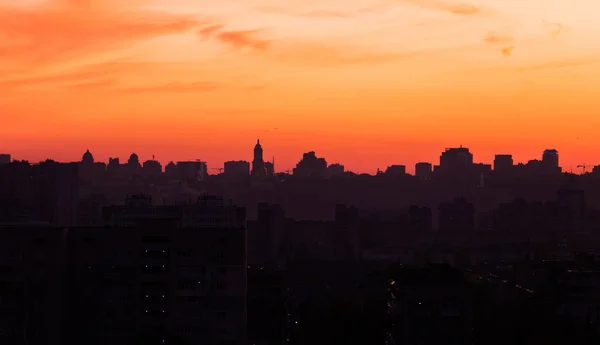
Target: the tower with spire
pixel 258 163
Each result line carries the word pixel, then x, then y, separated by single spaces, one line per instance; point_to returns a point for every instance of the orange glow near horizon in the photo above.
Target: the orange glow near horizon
pixel 366 83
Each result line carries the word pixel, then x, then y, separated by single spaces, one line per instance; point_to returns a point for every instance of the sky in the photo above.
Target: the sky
pixel 364 83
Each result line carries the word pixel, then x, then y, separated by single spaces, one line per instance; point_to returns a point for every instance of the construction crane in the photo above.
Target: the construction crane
pixel 583 167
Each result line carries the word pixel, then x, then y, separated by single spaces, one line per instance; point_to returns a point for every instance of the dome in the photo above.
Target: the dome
pixel 87 157
pixel 134 159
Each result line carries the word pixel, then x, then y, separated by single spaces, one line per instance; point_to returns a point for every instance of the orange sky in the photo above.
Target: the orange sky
pixel 365 83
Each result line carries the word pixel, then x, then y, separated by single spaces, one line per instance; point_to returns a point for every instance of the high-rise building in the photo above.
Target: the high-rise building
pixel 32 258
pixel 311 166
pixel 455 160
pixel 503 164
pixel 550 161
pixel 174 271
pixel 4 158
pixel 423 170
pixel 233 169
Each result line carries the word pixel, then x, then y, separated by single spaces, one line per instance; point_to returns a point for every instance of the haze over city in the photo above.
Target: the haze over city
pixel 365 83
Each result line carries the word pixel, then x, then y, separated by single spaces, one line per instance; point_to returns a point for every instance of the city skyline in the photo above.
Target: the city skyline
pixel 367 84
pixel 410 169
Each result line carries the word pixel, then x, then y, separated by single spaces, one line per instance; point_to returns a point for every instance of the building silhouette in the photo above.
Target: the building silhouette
pixel 395 170
pixel 311 166
pixel 152 167
pixel 423 170
pixel 550 161
pixel 335 169
pixel 177 270
pixel 236 169
pixel 503 164
pixel 4 158
pixel 455 161
pixel 258 163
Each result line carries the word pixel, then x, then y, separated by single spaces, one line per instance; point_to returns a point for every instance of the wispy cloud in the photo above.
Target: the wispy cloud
pixel 178 87
pixel 496 38
pixel 461 9
pixel 321 54
pixel 108 77
pixel 321 13
pixel 238 39
pixel 567 63
pixel 507 51
pixel 42 35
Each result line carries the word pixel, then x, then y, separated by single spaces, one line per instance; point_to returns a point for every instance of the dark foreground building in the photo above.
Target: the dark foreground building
pixel 151 275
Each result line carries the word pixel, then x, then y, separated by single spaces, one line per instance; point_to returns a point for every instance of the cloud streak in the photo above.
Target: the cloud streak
pixel 507 51
pixel 321 13
pixel 326 55
pixel 239 39
pixel 176 87
pixel 496 38
pixel 44 35
pixel 459 9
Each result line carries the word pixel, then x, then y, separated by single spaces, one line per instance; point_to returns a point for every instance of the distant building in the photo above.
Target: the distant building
pixel 335 170
pixel 270 168
pixel 456 217
pixel 311 166
pixel 395 170
pixel 191 171
pixel 236 169
pixel 87 158
pixel 4 158
pixel 455 160
pixel 423 170
pixel 171 169
pixel 503 164
pixel 550 161
pixel 258 163
pixel 89 170
pixel 152 167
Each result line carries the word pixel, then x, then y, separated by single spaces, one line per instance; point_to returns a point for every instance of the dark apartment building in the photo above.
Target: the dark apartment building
pixel 236 169
pixel 503 164
pixel 455 160
pixel 456 217
pixel 189 171
pixel 311 166
pixel 432 298
pixel 335 169
pixel 266 307
pixel 423 170
pixel 174 271
pixel 47 191
pixel 550 161
pixel 4 158
pixel 32 292
pixel 396 170
pixel 152 167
